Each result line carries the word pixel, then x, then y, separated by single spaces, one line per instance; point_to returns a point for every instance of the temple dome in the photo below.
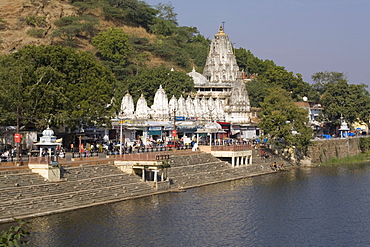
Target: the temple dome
pixel 213 126
pixel 198 78
pixel 48 132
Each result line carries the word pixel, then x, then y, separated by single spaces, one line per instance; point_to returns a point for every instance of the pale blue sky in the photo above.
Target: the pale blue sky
pixel 304 36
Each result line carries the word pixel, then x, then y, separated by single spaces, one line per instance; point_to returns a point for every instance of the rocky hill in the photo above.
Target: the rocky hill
pixel 13 33
pixel 14 25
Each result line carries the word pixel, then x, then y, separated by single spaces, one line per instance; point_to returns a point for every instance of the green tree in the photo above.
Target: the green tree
pixel 70 27
pixel 86 6
pixel 148 81
pixel 113 44
pixel 133 12
pixel 163 27
pixel 198 48
pixel 250 64
pixel 321 79
pixel 50 83
pixel 285 123
pixel 257 91
pixel 345 100
pixel 293 83
pixel 166 12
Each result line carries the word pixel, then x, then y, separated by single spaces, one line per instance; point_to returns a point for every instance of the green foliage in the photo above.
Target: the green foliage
pixel 284 122
pixel 183 46
pixel 36 21
pixel 257 91
pixel 322 79
pixel 171 53
pixel 50 83
pixel 16 235
pixel 163 27
pixel 345 100
pixel 131 12
pixel 364 144
pixel 166 12
pixel 166 23
pixel 113 44
pixel 148 81
pixel 251 64
pixel 36 32
pixel 86 6
pixel 70 27
pixel 139 44
pixel 293 83
pixel 360 158
pixel 268 75
pixel 197 49
pixel 113 14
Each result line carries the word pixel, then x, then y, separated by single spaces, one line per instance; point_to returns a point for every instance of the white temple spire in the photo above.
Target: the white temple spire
pixel 127 107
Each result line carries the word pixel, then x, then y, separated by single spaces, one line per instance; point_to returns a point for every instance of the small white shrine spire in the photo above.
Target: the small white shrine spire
pixel 127 107
pixel 160 105
pixel 142 109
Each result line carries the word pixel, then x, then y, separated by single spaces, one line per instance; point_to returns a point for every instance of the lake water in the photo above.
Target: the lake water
pixel 326 206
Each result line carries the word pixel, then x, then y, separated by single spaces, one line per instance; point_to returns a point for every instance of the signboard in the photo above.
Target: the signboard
pixel 17 138
pixel 179 118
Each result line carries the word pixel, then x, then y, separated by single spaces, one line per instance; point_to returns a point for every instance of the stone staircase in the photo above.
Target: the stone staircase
pixel 24 194
pixel 201 169
pixel 19 178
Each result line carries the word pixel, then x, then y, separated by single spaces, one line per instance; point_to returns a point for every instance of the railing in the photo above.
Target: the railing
pixel 142 157
pixel 232 148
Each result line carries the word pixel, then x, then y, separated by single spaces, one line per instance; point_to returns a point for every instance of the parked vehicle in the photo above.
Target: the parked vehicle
pixel 174 144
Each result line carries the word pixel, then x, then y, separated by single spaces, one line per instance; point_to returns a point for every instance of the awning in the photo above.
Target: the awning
pixel 154 132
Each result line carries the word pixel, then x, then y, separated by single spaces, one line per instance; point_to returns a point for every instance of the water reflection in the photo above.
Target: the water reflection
pixel 323 206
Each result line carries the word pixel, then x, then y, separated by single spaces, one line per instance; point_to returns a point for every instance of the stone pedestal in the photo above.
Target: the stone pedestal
pixel 51 173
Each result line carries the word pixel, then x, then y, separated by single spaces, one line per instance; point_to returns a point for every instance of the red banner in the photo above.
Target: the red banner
pixel 17 138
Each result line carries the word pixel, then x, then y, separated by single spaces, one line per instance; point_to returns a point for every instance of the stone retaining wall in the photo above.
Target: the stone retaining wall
pixel 324 150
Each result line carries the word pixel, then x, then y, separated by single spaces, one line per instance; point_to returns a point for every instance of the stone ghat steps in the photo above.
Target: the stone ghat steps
pixel 65 187
pixel 208 176
pixel 88 171
pixel 198 158
pixel 19 178
pixel 184 170
pixel 77 199
pixel 83 186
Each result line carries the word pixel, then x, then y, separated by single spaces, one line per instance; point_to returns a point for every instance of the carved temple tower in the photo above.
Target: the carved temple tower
pixel 222 80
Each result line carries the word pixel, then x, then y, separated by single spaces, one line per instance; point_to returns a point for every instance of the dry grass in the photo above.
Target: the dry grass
pixel 14 37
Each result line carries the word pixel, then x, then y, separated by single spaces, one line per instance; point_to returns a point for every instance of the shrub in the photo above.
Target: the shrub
pixel 36 21
pixel 36 32
pixel 15 236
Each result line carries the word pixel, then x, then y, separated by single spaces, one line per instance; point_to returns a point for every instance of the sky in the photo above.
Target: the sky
pixel 304 36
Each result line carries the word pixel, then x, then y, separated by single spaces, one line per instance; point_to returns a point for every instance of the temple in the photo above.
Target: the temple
pixel 222 80
pixel 221 99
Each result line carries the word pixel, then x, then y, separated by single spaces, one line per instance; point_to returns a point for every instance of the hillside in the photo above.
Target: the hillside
pixel 13 33
pixel 13 30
